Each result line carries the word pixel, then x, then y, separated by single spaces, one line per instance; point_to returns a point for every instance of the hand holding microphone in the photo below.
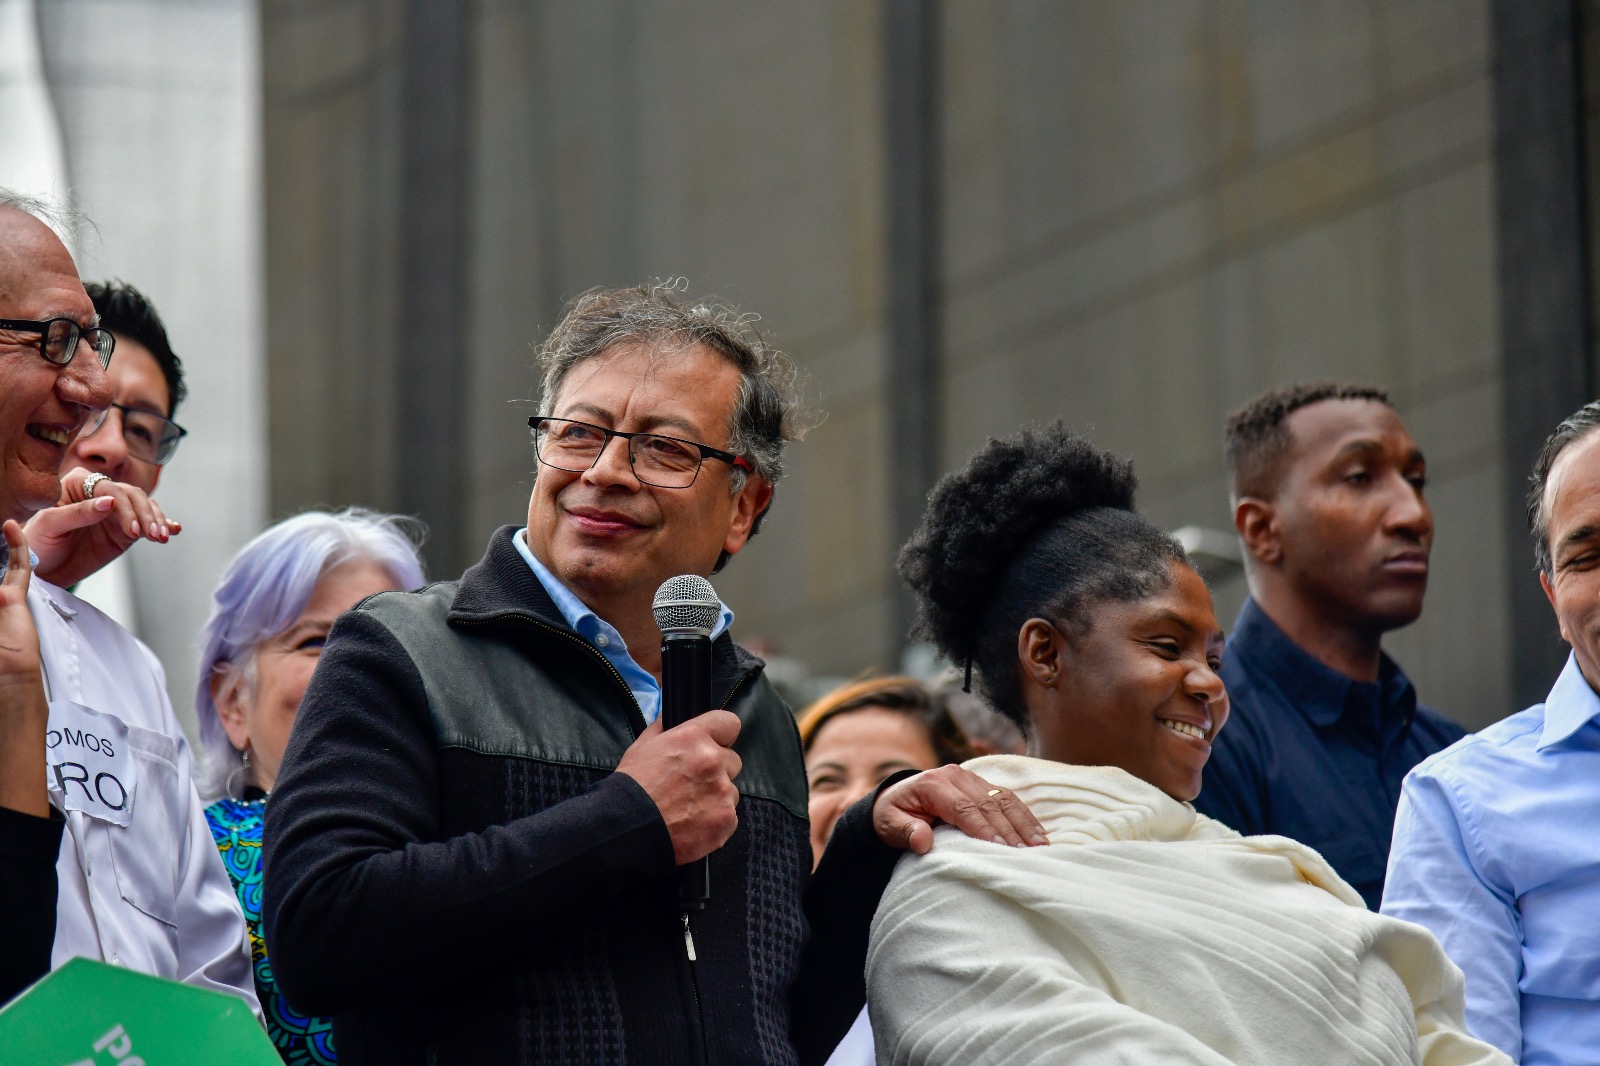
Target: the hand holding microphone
pixel 685 761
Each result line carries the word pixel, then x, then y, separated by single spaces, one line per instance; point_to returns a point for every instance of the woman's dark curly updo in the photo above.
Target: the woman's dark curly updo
pixel 1040 525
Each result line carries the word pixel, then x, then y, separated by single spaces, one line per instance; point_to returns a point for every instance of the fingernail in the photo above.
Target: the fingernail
pixel 1038 840
pixel 133 527
pixel 166 532
pixel 104 503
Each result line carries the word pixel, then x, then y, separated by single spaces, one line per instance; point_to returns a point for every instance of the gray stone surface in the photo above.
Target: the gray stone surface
pixel 1151 211
pixel 1156 211
pixel 163 154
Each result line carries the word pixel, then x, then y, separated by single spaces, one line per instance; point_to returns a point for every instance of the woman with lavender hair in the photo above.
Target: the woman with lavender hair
pixel 270 615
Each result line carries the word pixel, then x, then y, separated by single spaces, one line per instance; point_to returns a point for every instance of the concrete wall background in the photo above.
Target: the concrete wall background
pixel 158 103
pixel 611 144
pixel 1152 210
pixel 1155 211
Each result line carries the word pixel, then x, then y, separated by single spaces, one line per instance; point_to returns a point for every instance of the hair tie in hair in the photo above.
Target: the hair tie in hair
pixel 966 686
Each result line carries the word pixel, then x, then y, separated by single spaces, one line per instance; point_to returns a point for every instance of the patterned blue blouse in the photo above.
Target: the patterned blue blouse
pixel 236 827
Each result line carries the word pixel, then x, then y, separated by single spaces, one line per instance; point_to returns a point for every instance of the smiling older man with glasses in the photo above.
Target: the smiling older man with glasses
pixel 480 811
pixel 104 852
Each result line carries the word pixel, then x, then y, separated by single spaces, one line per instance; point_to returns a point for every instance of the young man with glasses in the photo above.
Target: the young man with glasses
pixel 97 811
pixel 138 435
pixel 480 810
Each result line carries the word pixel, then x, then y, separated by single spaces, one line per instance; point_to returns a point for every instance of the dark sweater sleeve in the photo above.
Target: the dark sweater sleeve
pixel 831 986
pixel 364 904
pixel 29 846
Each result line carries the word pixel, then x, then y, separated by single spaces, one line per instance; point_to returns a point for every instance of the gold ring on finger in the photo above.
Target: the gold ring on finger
pixel 993 792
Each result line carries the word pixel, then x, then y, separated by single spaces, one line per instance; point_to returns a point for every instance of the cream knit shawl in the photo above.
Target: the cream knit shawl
pixel 1147 934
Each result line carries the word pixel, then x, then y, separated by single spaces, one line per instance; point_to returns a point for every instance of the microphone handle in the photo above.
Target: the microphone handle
pixel 686 692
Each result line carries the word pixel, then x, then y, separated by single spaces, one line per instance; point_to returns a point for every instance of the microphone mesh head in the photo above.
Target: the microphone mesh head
pixel 686 604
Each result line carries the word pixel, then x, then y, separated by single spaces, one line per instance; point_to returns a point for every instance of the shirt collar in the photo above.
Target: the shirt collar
pixel 5 557
pixel 1322 693
pixel 573 610
pixel 1571 705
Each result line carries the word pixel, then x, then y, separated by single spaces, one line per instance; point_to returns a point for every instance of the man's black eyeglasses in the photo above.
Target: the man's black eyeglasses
pixel 147 436
pixel 58 338
pixel 664 462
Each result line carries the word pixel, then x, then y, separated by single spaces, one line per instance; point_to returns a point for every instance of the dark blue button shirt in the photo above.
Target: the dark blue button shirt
pixel 1313 755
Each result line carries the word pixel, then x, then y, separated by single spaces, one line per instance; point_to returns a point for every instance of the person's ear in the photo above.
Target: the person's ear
pixel 1257 522
pixel 1550 594
pixel 749 503
pixel 227 694
pixel 1040 650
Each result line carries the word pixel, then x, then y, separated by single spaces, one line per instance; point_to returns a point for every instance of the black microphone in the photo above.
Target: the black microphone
pixel 687 609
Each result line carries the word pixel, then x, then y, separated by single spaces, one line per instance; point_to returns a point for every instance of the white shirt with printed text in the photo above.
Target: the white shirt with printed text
pixel 150 895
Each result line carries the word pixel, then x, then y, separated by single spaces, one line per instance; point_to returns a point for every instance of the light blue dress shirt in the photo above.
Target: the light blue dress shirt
pixel 597 631
pixel 1497 852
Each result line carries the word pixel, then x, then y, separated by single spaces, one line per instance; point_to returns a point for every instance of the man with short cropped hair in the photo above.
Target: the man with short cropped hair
pixel 473 844
pixel 1327 492
pixel 1495 847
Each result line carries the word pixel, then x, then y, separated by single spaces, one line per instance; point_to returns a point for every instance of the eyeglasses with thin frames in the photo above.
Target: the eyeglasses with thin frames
pixel 660 461
pixel 148 436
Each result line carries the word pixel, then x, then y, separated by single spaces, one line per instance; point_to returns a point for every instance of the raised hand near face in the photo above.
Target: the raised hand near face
pixel 92 523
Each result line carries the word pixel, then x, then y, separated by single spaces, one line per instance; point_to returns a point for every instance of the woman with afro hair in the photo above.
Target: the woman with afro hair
pixel 1144 933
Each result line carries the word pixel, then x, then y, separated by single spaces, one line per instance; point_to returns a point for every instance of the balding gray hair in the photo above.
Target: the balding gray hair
pixel 63 221
pixel 767 413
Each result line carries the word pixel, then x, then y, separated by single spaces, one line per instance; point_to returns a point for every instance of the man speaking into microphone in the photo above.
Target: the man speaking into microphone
pixel 474 844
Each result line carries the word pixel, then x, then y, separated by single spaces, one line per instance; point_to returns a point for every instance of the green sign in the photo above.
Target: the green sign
pixel 90 1014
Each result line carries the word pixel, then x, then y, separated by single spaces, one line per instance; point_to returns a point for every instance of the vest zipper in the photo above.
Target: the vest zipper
pixel 700 1050
pixel 737 685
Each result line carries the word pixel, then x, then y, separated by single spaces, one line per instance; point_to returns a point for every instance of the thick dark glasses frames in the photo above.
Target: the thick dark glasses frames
pixel 58 338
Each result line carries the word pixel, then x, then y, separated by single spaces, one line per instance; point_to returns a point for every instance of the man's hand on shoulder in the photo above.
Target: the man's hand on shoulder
pixel 688 771
pixel 80 535
pixel 905 814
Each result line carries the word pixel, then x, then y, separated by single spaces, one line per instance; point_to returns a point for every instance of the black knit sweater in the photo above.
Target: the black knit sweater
pixel 456 874
pixel 29 846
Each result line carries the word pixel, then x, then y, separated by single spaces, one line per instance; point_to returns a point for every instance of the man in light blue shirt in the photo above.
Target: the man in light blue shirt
pixel 602 634
pixel 1497 840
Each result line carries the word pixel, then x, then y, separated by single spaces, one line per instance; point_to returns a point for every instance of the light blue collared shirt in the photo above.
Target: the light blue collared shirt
pixel 1497 852
pixel 597 631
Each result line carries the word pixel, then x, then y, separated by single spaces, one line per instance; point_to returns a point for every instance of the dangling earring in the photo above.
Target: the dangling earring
pixel 234 785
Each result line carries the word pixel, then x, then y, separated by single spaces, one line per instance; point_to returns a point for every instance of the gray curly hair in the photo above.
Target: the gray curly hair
pixel 767 413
